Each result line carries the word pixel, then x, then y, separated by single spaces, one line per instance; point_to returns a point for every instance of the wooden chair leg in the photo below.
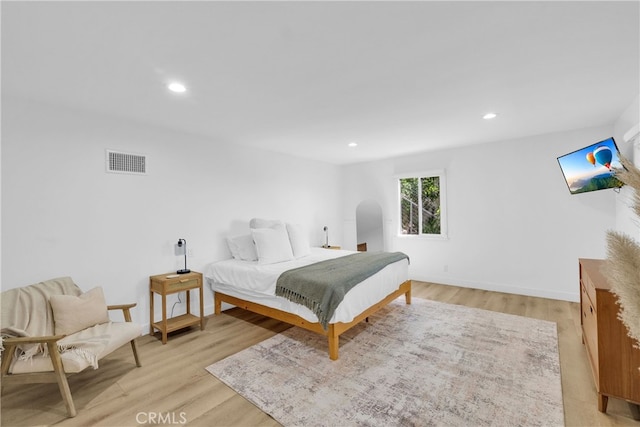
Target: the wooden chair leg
pixel 7 357
pixel 135 353
pixel 61 377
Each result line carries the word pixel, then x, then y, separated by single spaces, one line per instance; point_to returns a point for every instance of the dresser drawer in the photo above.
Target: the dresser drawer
pixel 590 333
pixel 586 296
pixel 588 287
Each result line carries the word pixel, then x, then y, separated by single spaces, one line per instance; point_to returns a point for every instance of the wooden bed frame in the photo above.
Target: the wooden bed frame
pixel 335 329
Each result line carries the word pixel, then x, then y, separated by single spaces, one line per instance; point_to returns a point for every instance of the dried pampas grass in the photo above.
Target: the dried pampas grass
pixel 630 175
pixel 623 260
pixel 623 269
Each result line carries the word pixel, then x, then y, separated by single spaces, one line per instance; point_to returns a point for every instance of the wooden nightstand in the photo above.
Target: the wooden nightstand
pixel 171 283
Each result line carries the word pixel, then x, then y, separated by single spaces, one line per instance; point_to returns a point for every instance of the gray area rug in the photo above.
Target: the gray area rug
pixel 427 363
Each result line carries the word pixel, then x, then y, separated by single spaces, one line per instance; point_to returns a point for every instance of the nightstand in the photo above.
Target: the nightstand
pixel 171 283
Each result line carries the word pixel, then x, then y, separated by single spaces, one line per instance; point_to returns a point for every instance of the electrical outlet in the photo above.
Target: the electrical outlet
pixel 446 268
pixel 190 253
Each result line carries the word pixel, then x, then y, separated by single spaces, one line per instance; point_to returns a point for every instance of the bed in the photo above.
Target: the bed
pixel 249 281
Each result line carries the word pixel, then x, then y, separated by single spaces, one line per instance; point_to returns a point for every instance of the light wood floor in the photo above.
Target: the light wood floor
pixel 173 381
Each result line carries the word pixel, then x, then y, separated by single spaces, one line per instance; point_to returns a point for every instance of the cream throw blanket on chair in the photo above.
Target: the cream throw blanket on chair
pixel 26 312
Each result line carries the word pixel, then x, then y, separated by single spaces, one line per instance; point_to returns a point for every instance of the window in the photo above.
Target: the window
pixel 422 204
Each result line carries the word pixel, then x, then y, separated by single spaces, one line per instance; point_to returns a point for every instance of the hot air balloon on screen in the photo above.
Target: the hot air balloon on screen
pixel 603 156
pixel 591 159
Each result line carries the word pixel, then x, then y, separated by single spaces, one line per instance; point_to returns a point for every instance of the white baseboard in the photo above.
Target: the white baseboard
pixel 509 289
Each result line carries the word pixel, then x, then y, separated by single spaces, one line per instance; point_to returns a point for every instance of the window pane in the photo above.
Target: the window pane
pixel 430 205
pixel 409 205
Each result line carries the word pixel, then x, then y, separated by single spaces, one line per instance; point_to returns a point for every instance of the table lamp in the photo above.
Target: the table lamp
pixel 181 243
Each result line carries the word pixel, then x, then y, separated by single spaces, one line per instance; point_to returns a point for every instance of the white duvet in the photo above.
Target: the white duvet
pixel 256 282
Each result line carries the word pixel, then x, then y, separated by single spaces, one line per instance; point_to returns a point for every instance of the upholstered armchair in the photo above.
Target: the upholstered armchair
pixel 52 329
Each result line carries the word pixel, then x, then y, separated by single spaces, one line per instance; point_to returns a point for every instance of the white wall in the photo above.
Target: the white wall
pixel 626 220
pixel 629 118
pixel 63 215
pixel 513 225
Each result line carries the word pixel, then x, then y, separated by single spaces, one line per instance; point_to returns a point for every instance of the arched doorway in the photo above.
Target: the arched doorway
pixel 369 231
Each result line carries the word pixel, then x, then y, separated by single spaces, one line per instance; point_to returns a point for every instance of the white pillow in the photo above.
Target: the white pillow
pixel 264 223
pixel 272 245
pixel 242 247
pixel 299 240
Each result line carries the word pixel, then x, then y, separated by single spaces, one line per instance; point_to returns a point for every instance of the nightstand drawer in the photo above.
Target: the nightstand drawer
pixel 181 285
pixel 172 283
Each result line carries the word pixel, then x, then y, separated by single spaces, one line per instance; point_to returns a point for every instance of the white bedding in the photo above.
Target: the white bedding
pixel 254 282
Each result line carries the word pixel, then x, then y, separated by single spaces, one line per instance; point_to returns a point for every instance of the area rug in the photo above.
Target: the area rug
pixel 428 363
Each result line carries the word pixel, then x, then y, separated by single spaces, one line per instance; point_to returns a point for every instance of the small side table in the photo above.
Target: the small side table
pixel 170 283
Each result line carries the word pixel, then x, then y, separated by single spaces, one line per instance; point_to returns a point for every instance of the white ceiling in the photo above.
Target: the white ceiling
pixel 307 78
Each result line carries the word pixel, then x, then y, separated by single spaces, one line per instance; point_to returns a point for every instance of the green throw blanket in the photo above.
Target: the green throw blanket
pixel 321 287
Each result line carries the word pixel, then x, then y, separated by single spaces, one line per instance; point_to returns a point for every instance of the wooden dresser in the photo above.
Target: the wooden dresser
pixel 613 359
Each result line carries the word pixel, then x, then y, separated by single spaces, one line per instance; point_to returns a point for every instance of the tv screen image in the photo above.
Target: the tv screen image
pixel 592 168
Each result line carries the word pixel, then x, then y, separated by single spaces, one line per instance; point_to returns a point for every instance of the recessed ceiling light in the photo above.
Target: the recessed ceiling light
pixel 490 116
pixel 353 144
pixel 176 87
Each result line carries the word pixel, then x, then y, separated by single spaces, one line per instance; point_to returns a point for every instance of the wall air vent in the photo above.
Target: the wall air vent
pixel 119 162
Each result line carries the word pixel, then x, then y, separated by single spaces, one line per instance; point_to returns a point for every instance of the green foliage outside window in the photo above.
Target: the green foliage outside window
pixel 431 205
pixel 420 198
pixel 409 203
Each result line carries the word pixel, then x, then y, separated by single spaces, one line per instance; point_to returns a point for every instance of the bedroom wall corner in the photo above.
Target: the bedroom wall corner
pixel 63 215
pixel 513 225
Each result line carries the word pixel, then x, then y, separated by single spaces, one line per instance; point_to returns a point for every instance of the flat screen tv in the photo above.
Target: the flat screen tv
pixel 591 168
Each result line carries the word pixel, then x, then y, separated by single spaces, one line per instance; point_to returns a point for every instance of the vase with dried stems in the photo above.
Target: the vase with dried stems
pixel 623 259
